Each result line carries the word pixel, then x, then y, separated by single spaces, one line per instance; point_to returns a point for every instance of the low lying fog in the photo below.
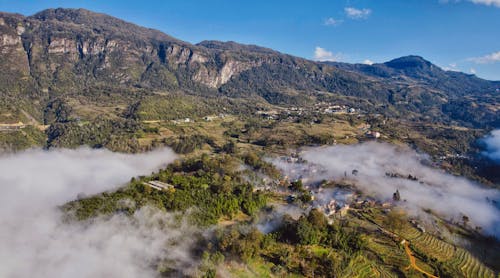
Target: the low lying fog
pixel 35 242
pixel 492 142
pixel 445 194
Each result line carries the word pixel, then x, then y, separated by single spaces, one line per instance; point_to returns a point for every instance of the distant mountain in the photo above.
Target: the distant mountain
pixel 76 56
pixel 418 70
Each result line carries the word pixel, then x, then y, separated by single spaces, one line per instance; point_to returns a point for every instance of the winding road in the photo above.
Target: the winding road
pixel 413 263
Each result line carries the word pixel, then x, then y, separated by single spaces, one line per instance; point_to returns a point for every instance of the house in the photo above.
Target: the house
pixel 209 118
pixel 343 211
pixel 387 205
pixel 421 228
pixel 312 195
pixel 158 185
pixel 185 120
pixel 330 208
pixel 417 225
pixel 14 126
pixel 372 134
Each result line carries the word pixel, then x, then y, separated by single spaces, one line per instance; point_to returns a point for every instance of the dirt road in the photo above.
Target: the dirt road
pixel 413 264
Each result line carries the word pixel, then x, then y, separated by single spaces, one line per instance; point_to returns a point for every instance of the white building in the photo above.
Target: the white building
pixel 158 185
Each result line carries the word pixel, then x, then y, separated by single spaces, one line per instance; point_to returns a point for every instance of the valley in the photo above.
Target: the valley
pixel 283 166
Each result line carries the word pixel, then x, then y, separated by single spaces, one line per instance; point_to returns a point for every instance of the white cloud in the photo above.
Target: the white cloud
pixel 479 2
pixel 332 22
pixel 35 241
pixel 354 13
pixel 447 195
pixel 451 67
pixel 472 70
pixel 487 59
pixel 321 54
pixel 492 142
pixel 368 62
pixel 495 3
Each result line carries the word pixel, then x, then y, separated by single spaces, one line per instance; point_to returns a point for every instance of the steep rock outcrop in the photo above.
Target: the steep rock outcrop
pixel 78 46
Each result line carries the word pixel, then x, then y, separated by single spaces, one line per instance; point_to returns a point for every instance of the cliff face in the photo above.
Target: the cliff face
pixel 63 49
pixel 13 58
pixel 68 51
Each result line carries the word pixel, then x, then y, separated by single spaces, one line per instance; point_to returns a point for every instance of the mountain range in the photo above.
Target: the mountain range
pixel 78 57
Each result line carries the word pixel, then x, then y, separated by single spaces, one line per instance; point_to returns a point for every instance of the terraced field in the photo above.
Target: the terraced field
pixel 411 233
pixel 466 264
pixel 389 253
pixel 385 273
pixel 435 247
pixel 460 260
pixel 360 267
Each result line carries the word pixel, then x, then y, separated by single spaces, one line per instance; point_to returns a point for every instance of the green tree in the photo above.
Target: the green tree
pixel 395 219
pixel 307 233
pixel 297 185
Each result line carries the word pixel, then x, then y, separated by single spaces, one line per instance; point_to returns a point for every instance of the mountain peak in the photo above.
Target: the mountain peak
pixel 410 61
pixel 101 22
pixel 63 14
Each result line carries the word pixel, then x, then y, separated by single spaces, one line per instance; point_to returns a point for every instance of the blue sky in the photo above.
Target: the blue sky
pixel 454 34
